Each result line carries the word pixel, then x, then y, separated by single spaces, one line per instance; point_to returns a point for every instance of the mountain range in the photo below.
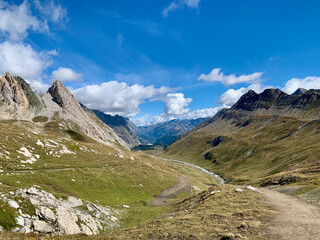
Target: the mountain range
pixel 167 132
pixel 267 138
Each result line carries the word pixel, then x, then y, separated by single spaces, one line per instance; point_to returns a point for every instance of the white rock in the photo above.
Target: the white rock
pixel 251 188
pixel 24 151
pixel 214 192
pixel 75 202
pixel 13 204
pixel 39 143
pixel 86 230
pixel 32 191
pixel 239 190
pixel 67 221
pixel 90 222
pixel 46 214
pixel 20 221
pixel 42 227
pixel 125 206
pixel 1 229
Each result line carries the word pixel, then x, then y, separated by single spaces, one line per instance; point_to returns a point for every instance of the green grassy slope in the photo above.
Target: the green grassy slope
pixel 269 150
pixel 69 163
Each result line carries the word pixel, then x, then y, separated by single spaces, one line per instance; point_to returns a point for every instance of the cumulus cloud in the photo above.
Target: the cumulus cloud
pixel 22 60
pixel 117 97
pixel 293 84
pixel 204 113
pixel 178 4
pixel 17 20
pixel 66 75
pixel 176 104
pixel 231 96
pixel 217 76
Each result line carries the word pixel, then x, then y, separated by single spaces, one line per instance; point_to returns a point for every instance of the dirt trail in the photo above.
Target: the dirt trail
pixel 181 187
pixel 296 220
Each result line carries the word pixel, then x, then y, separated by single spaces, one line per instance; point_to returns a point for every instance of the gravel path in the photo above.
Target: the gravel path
pixel 296 219
pixel 181 187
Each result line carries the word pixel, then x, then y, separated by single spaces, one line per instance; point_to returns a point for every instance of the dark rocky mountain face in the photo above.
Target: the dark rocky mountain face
pixel 302 104
pixel 122 126
pixel 167 132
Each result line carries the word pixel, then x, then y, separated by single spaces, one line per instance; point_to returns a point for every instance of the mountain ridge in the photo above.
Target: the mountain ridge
pixel 267 138
pixel 19 102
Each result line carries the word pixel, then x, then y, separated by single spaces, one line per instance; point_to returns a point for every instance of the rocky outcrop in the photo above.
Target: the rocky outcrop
pixel 60 217
pixel 18 101
pixel 63 105
pixel 14 103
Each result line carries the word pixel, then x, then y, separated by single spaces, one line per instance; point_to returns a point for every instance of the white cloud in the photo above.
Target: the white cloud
pixel 293 84
pixel 147 120
pixel 178 4
pixel 21 59
pixel 117 97
pixel 204 113
pixel 17 20
pixel 66 75
pixel 176 104
pixel 217 76
pixel 154 119
pixel 49 9
pixel 231 96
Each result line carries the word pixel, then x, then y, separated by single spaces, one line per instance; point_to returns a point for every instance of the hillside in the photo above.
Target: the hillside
pixel 63 171
pixel 122 126
pixel 270 138
pixel 167 132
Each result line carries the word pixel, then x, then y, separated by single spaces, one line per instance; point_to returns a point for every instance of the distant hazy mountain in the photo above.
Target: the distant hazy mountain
pixel 167 132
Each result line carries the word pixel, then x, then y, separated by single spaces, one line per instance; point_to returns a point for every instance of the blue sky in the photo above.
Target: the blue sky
pixel 151 60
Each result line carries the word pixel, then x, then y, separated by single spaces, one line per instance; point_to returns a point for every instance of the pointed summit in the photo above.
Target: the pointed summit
pixel 61 101
pixel 300 91
pixel 60 94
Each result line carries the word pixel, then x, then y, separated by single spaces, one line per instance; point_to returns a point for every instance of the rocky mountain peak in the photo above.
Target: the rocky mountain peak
pixel 13 102
pixel 60 100
pixel 300 91
pixel 251 100
pixel 60 94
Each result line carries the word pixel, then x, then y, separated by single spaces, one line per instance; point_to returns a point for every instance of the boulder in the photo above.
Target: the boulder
pixel 46 214
pixel 67 221
pixel 42 227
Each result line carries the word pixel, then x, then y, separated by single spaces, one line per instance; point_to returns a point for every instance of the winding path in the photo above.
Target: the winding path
pixel 296 219
pixel 181 187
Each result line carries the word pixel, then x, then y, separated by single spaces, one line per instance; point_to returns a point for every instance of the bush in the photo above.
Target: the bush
pixel 40 119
